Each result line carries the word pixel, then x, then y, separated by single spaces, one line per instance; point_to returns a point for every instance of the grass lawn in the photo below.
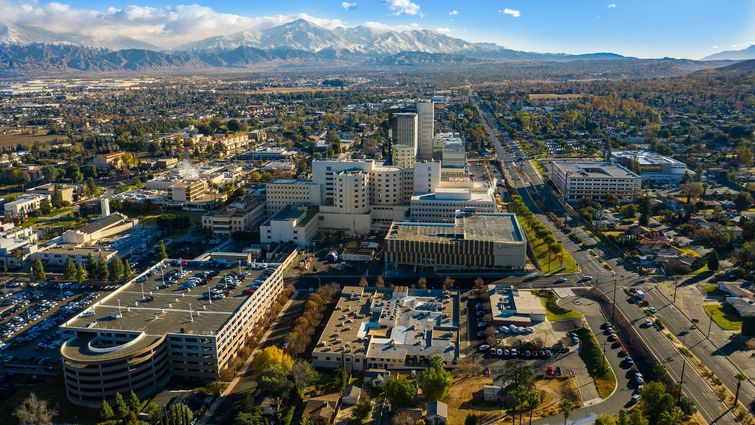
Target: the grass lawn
pixel 701 270
pixel 689 252
pixel 10 197
pixel 555 312
pixel 32 221
pixel 597 365
pixel 724 316
pixel 712 290
pixel 549 262
pixel 54 393
pixel 539 168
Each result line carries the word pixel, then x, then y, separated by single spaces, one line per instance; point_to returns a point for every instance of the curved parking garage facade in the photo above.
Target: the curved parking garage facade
pixel 184 319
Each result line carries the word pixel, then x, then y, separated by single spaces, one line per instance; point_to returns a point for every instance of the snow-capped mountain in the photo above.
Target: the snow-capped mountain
pixel 304 35
pixel 24 34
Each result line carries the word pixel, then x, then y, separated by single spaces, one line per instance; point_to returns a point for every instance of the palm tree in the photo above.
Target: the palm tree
pixel 567 406
pixel 534 398
pixel 675 416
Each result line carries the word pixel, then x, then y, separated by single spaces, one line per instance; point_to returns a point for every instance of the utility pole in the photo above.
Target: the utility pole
pixel 676 286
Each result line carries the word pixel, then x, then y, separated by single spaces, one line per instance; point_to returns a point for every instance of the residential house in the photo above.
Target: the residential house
pixel 437 413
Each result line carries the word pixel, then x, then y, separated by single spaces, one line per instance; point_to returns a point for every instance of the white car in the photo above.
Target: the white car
pixel 484 347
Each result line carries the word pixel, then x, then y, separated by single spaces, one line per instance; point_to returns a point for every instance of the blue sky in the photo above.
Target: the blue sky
pixel 644 28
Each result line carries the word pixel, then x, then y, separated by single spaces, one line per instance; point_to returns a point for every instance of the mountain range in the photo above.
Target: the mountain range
pixel 737 55
pixel 27 49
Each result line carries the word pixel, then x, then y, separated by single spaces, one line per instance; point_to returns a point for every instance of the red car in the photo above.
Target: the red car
pixel 549 371
pixel 623 352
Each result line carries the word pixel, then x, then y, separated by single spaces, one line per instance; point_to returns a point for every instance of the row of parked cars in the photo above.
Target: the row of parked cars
pixel 514 352
pixel 626 361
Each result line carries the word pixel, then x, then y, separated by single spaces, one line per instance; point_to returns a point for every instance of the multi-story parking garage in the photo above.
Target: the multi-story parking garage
pixel 184 319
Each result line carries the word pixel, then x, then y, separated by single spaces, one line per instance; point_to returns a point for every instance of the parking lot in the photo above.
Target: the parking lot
pixel 29 323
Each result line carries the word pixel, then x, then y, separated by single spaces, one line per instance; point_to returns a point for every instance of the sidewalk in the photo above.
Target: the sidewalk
pixel 244 369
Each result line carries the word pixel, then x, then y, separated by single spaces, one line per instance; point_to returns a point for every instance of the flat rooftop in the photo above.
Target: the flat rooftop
pixel 385 323
pixel 291 181
pixel 481 227
pixel 594 169
pixel 301 213
pixel 645 157
pixel 159 309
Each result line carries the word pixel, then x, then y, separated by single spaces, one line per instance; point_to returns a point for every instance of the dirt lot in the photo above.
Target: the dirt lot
pixel 12 140
pixel 465 397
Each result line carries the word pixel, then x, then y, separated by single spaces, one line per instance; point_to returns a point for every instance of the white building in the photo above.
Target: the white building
pixel 594 180
pixel 25 204
pixel 295 224
pixel 237 217
pixel 283 192
pixel 95 231
pixel 442 205
pixel 653 167
pixel 426 130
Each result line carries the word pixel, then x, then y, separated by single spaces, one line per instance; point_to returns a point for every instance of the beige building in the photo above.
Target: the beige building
pixel 281 193
pixel 188 190
pixel 25 204
pixel 57 255
pixel 103 228
pixel 143 334
pixel 68 193
pixel 473 242
pixel 405 135
pixel 236 217
pixel 425 130
pixel 108 161
pixel 594 180
pixel 392 329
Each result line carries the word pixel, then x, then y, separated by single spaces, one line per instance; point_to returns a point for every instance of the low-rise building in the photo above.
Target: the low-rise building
pixel 57 255
pixel 594 180
pixel 473 242
pixel 25 204
pixel 68 192
pixel 392 329
pixel 281 193
pixel 295 224
pixel 107 161
pixel 237 217
pixel 445 203
pixel 652 167
pixel 510 306
pixel 187 190
pixel 100 229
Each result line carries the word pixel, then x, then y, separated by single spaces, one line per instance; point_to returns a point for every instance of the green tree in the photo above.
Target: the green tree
pixel 70 269
pixel 436 380
pixel 127 271
pixel 303 375
pixel 57 199
pixel 519 373
pixel 566 406
pixel 106 412
pixel 655 401
pixel 399 391
pixel 81 274
pixel 102 269
pixel 38 270
pixel 275 380
pixel 533 399
pixel 623 419
pixel 604 420
pixel 121 408
pixel 635 418
pixel 713 261
pixel 675 416
pixel 743 201
pixel 361 411
pixel 115 268
pixel 162 253
pixel 134 404
pixel 612 199
pixel 250 418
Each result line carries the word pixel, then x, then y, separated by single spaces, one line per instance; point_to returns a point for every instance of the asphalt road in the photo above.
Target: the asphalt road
pixel 707 402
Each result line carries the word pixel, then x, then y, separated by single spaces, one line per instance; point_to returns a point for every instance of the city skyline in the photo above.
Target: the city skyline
pixel 640 29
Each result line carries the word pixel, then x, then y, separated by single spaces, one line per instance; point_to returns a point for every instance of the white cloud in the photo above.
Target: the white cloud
pixel 714 46
pixel 165 27
pixel 511 12
pixel 402 7
pixel 348 6
pixel 612 6
pixel 742 45
pixel 453 13
pixel 381 27
pixel 443 30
